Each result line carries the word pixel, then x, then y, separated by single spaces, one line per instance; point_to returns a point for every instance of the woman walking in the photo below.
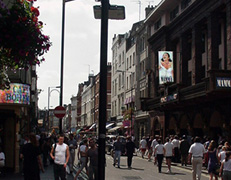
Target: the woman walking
pixel 213 162
pixel 159 151
pixel 225 170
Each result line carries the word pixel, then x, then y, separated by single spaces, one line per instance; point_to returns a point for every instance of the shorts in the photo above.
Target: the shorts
pixel 83 161
pixel 143 150
pixel 168 157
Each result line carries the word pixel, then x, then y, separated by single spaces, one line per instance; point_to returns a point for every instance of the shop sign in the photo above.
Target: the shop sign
pixel 168 98
pixel 17 94
pixel 223 82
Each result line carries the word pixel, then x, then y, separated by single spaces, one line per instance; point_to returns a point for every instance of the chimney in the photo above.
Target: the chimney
pixel 148 10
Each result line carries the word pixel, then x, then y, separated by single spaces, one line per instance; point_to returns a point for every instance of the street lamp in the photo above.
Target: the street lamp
pixel 48 106
pixel 131 89
pixel 104 13
pixel 62 62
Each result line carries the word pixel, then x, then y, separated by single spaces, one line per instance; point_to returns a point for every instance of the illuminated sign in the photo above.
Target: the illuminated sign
pixel 223 82
pixel 17 94
pixel 165 67
pixel 168 98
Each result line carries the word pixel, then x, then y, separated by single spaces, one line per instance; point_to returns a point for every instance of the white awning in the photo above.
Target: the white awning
pixel 93 126
pixel 114 129
pixel 109 125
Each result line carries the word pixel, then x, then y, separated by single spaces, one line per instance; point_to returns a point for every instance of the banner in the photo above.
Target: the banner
pixel 165 67
pixel 17 94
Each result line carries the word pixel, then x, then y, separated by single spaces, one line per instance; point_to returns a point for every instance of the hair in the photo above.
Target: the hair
pixel 60 135
pixel 212 145
pixel 197 139
pixel 85 141
pixel 227 155
pixel 33 139
pixel 159 141
pixel 167 139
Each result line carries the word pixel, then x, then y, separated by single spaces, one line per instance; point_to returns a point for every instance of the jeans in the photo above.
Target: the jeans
pixel 129 160
pixel 71 160
pixel 59 172
pixel 93 172
pixel 117 155
pixel 160 160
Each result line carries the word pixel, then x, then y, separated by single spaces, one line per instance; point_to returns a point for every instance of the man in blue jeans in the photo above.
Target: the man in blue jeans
pixel 117 146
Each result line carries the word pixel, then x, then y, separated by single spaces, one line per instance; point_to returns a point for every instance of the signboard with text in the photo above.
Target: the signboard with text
pixel 17 94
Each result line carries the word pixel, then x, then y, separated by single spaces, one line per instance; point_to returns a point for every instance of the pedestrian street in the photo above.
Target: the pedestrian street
pixel 144 170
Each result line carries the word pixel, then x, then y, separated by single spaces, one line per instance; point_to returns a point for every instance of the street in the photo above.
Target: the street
pixel 141 169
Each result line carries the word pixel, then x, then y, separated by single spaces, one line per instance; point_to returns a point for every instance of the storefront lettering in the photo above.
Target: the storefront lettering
pixel 168 98
pixel 223 82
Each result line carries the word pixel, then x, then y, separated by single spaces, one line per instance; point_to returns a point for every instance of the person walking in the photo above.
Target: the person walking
pixel 176 147
pixel 196 153
pixel 60 154
pixel 72 143
pixel 159 151
pixel 2 163
pixel 168 146
pixel 225 169
pixel 32 161
pixel 83 157
pixel 117 146
pixel 92 154
pixel 213 161
pixel 143 146
pixel 150 150
pixel 130 149
pixel 184 147
pixel 153 145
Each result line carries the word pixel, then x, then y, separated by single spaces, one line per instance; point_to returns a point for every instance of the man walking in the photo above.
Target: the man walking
pixel 143 146
pixel 196 153
pixel 184 147
pixel 61 156
pixel 117 146
pixel 92 154
pixel 130 148
pixel 168 146
pixel 72 146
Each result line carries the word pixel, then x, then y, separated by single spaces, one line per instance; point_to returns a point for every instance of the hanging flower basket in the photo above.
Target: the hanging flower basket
pixel 22 43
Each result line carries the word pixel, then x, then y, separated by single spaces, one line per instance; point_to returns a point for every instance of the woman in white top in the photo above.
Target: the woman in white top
pixel 225 170
pixel 159 151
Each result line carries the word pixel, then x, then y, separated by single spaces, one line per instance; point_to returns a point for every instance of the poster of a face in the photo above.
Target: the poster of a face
pixel 165 67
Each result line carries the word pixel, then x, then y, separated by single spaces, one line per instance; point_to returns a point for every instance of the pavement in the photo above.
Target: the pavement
pixel 48 175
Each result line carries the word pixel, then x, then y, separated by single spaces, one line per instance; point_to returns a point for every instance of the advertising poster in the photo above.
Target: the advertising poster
pixel 17 94
pixel 165 67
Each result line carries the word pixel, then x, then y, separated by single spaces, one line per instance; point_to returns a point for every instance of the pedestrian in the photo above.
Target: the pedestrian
pixel 72 143
pixel 143 146
pixel 184 147
pixel 176 147
pixel 117 146
pixel 60 154
pixel 168 146
pixel 130 149
pixel 32 160
pixel 150 151
pixel 213 162
pixel 153 145
pixel 159 151
pixel 225 169
pixel 83 157
pixel 2 162
pixel 45 151
pixel 92 155
pixel 221 154
pixel 196 153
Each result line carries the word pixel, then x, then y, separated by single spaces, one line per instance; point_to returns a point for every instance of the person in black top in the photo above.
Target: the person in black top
pixel 130 148
pixel 32 160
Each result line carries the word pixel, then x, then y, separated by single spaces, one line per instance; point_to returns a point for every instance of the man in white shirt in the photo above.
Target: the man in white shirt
pixel 153 145
pixel 196 153
pixel 143 146
pixel 60 158
pixel 168 146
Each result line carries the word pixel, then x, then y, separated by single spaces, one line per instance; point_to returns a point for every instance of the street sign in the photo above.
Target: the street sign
pixel 59 111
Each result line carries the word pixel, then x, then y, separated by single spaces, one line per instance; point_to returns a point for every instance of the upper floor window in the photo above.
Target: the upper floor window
pixel 184 4
pixel 134 58
pixel 157 24
pixel 174 13
pixel 142 45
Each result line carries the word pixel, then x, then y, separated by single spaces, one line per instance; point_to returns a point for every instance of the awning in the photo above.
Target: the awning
pixel 109 126
pixel 114 129
pixel 93 126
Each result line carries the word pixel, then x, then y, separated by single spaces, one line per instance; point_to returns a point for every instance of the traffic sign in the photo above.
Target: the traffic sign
pixel 59 111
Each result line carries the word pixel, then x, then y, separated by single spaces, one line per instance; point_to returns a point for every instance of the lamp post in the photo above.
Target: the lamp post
pixel 104 12
pixel 48 106
pixel 62 61
pixel 131 88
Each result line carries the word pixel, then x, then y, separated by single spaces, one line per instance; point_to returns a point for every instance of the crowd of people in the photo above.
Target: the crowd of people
pixel 198 152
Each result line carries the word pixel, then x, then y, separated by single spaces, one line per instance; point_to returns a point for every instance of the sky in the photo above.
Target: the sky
pixel 81 44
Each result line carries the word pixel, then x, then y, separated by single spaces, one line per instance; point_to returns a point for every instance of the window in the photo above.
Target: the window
pixel 189 82
pixel 157 25
pixel 219 33
pixel 134 58
pixel 184 4
pixel 130 64
pixel 203 42
pixel 142 44
pixel 127 63
pixel 123 57
pixel 119 59
pixel 174 13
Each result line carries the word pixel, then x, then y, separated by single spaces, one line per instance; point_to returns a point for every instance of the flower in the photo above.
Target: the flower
pixel 22 42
